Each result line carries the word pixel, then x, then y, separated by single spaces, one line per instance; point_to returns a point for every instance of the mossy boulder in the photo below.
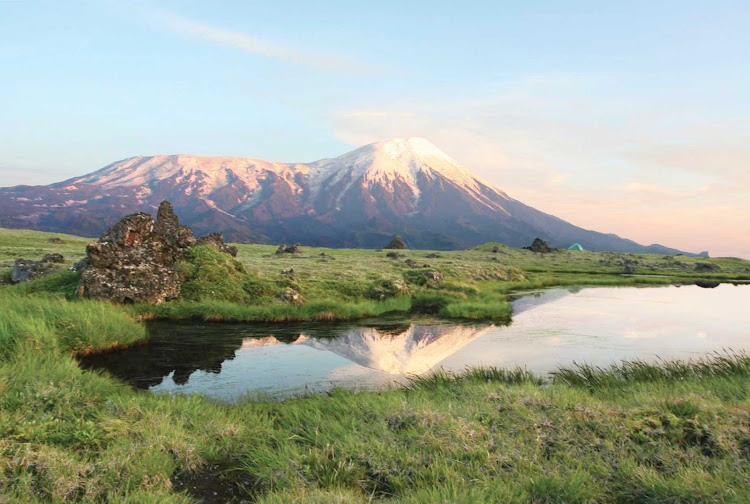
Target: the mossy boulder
pixel 427 277
pixel 397 243
pixel 26 270
pixel 386 289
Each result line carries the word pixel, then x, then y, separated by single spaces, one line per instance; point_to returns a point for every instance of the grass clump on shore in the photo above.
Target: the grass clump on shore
pixel 272 312
pixel 715 365
pixel 35 322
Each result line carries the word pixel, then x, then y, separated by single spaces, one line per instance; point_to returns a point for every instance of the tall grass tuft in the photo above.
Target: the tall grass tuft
pixel 38 322
pixel 441 378
pixel 719 364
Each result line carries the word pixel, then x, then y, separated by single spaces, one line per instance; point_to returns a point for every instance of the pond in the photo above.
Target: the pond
pixel 550 328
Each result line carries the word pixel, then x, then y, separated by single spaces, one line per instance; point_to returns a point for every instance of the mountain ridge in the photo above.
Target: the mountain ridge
pixel 403 186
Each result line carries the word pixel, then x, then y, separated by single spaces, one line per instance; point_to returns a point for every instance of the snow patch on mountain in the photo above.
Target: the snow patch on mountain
pixel 203 174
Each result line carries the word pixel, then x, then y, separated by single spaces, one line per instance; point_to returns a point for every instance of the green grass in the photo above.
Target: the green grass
pixel 633 433
pixel 272 312
pixel 344 284
pixel 712 366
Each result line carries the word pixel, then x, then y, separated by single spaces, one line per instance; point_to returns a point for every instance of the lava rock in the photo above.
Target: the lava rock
pixel 283 249
pixel 707 267
pixel 53 258
pixel 397 243
pixel 540 246
pixel 291 296
pixel 434 278
pixel 385 289
pixel 26 270
pixel 135 260
pixel 216 240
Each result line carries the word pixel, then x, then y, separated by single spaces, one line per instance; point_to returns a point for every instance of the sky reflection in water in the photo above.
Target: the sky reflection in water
pixel 550 328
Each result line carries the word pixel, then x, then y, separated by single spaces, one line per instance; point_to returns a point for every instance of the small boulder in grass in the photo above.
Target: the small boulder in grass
pixel 284 249
pixel 434 278
pixel 707 267
pixel 540 246
pixel 397 243
pixel 26 270
pixel 291 296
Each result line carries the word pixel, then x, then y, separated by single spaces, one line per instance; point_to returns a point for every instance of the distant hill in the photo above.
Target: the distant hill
pixel 361 199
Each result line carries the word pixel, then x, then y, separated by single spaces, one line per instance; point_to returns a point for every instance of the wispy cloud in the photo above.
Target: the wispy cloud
pixel 728 162
pixel 250 44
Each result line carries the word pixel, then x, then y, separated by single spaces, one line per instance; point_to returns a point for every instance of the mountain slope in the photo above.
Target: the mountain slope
pixel 404 186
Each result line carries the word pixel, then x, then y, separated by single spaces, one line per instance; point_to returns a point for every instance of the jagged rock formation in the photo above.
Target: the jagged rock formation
pixel 540 246
pixel 26 270
pixel 135 260
pixel 397 243
pixel 216 240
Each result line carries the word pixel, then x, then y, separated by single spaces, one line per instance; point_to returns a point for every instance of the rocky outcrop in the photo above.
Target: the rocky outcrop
pixel 397 243
pixel 284 249
pixel 291 296
pixel 433 278
pixel 540 246
pixel 385 289
pixel 216 240
pixel 135 260
pixel 707 267
pixel 26 270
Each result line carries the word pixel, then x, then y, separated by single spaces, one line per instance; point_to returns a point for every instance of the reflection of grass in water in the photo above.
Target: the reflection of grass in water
pixel 673 432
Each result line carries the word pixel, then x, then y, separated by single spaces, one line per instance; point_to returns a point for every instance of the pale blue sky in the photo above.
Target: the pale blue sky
pixel 620 116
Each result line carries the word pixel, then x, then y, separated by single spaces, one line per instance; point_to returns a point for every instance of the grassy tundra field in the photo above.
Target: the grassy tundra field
pixel 344 284
pixel 636 433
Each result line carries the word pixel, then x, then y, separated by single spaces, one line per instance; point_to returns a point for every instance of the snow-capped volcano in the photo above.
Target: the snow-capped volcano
pixel 398 159
pixel 401 186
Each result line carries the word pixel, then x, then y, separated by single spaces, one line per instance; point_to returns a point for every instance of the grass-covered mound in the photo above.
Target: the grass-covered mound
pixel 636 433
pixel 209 275
pixel 219 287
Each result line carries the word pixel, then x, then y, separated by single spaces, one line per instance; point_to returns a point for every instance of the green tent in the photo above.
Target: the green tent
pixel 576 246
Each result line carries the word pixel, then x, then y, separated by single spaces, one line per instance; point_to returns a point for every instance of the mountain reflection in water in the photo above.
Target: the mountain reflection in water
pixel 550 328
pixel 180 350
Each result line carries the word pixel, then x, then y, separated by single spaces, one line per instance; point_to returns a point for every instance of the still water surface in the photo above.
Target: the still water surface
pixel 550 328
